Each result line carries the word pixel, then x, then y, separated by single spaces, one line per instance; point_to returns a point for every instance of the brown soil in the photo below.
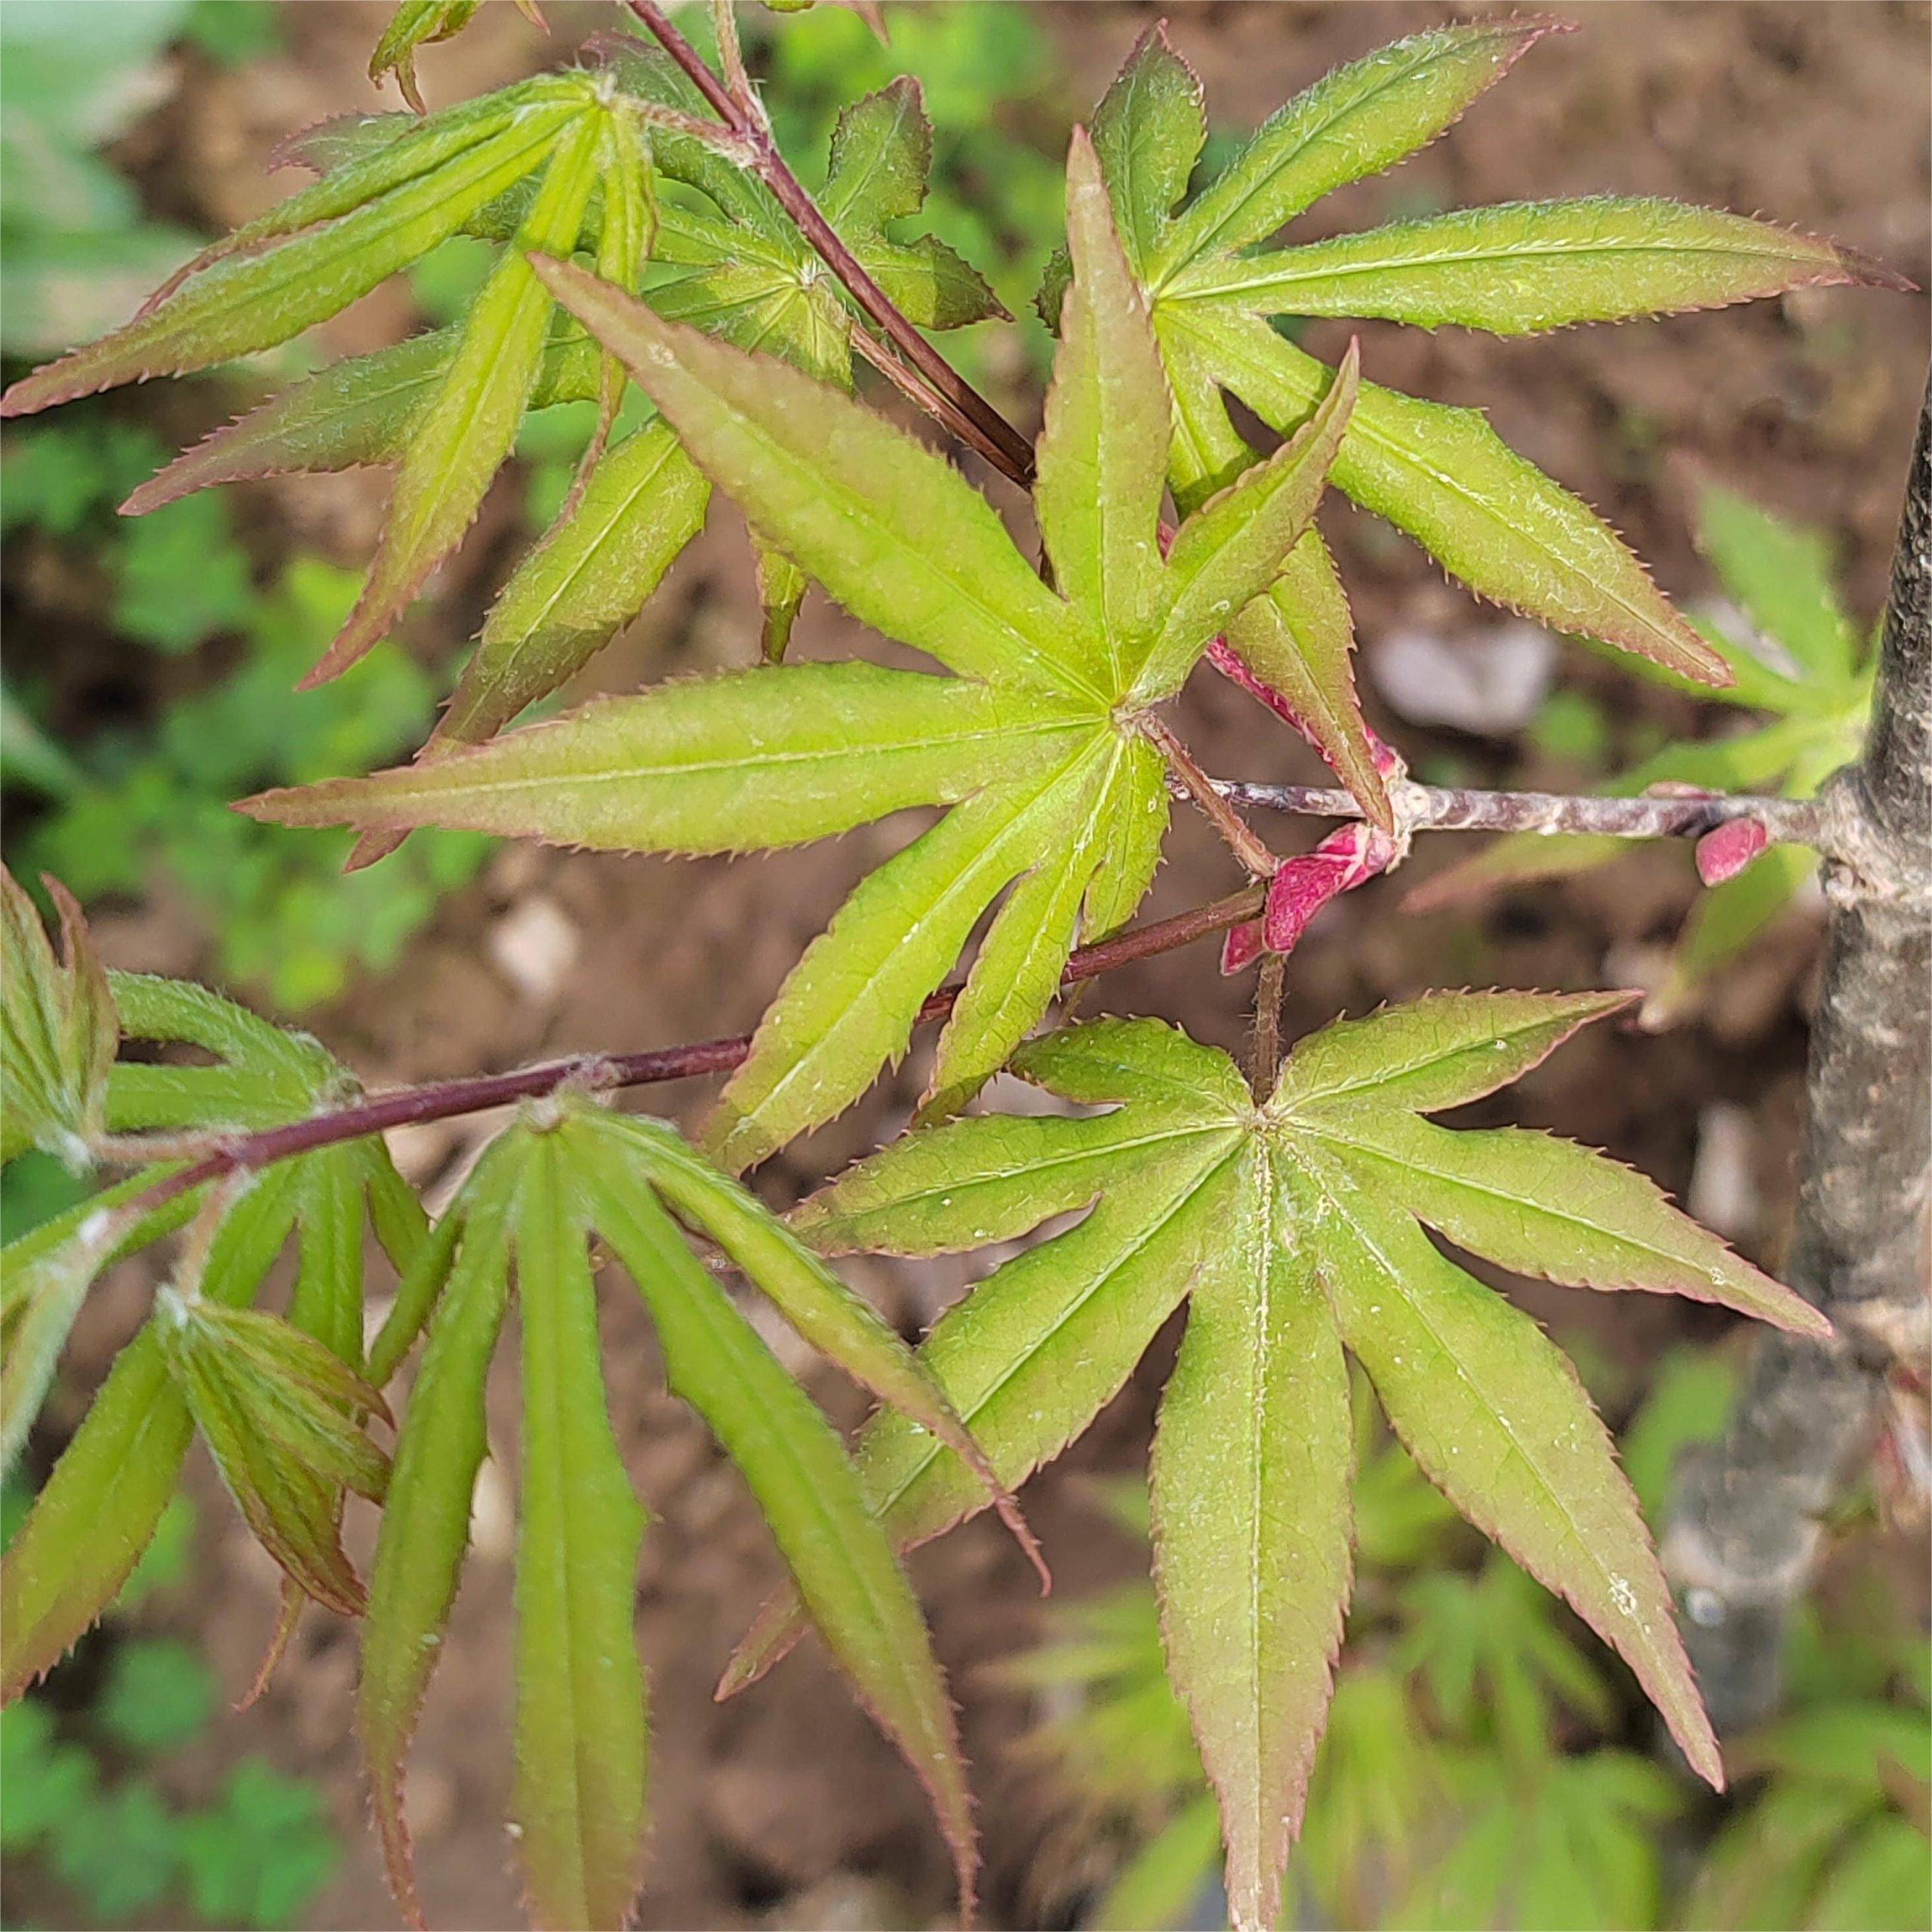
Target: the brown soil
pixel 784 1806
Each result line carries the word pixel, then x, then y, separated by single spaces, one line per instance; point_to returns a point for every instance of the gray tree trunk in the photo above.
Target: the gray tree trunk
pixel 1745 1539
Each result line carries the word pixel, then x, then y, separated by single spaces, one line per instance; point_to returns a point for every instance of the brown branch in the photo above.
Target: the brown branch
pixel 1452 808
pixel 1750 1519
pixel 410 1106
pixel 987 430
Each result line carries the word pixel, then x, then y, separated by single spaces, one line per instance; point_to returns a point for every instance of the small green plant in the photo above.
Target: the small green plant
pixel 129 808
pixel 1793 652
pixel 1473 1772
pixel 654 251
pixel 82 1802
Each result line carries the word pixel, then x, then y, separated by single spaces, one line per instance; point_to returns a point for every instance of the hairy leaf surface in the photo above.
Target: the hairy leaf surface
pixel 1035 740
pixel 1293 1229
pixel 94 1516
pixel 1441 474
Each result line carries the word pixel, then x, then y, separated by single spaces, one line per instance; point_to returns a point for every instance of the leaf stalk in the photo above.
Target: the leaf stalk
pixel 969 413
pixel 447 1100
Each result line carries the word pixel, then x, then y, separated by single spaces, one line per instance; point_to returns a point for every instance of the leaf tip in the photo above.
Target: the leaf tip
pixel 1865 271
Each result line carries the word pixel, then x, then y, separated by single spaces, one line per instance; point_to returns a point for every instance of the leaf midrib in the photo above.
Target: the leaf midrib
pixel 1142 1236
pixel 1071 1157
pixel 830 753
pixel 1329 1132
pixel 1559 1505
pixel 1266 279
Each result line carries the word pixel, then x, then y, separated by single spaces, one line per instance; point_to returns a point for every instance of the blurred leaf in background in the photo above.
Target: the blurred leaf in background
pixel 1799 660
pixel 259 1857
pixel 90 1814
pixel 1475 1770
pixel 76 254
pixel 155 805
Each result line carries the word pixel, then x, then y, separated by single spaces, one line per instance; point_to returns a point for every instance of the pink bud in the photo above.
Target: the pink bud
pixel 1723 854
pixel 1348 857
pixel 1241 947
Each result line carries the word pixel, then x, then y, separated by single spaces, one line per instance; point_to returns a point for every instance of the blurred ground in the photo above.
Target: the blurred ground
pixel 784 1806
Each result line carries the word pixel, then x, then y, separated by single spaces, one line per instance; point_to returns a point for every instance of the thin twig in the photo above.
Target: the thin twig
pixel 410 1106
pixel 1212 797
pixel 1264 1038
pixel 921 393
pixel 996 438
pixel 1453 808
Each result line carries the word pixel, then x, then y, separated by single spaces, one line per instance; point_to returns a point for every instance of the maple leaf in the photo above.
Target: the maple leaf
pixel 1795 653
pixel 1294 1230
pixel 1036 743
pixel 1440 474
pixel 559 164
pixel 566 1170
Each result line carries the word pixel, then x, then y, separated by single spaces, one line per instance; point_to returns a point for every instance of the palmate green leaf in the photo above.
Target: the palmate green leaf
pixel 1441 474
pixel 1445 477
pixel 1521 267
pixel 1035 741
pixel 566 1170
pixel 1293 1229
pixel 337 239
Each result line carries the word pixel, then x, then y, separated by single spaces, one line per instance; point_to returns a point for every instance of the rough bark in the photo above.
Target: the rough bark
pixel 1748 1528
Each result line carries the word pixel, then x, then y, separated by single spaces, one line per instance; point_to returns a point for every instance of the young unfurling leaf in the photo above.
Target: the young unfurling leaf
pixel 58 1030
pixel 1035 741
pixel 281 1416
pixel 1294 1231
pixel 98 1509
pixel 1440 474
